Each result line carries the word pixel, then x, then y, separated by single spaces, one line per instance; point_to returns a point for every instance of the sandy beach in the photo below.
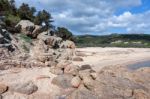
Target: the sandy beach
pixel 99 57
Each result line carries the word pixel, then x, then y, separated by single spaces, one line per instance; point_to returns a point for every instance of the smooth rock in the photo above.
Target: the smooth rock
pixel 63 81
pixel 24 88
pixel 76 81
pixel 84 67
pixel 3 88
pixel 77 59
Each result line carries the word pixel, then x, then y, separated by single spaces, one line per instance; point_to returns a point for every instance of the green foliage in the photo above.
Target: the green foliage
pixel 115 40
pixel 43 17
pixel 64 33
pixel 25 38
pixel 26 12
pixel 12 20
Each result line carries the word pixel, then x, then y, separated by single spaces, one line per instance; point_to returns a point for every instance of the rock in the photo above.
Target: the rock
pixel 27 26
pixel 40 96
pixel 71 69
pixel 3 88
pixel 94 75
pixel 63 81
pixel 63 63
pixel 24 88
pixel 56 71
pixel 68 44
pixel 83 74
pixel 87 79
pixel 81 54
pixel 76 81
pixel 51 41
pixel 83 94
pixel 140 94
pixel 84 67
pixel 36 31
pixel 65 54
pixel 77 59
pixel 88 82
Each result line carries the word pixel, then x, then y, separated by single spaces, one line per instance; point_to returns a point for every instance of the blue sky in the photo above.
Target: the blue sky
pixel 97 17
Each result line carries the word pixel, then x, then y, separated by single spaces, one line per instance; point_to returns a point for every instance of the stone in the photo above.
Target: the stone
pixel 83 74
pixel 3 88
pixel 76 81
pixel 84 67
pixel 36 31
pixel 68 44
pixel 27 26
pixel 40 96
pixel 140 94
pixel 77 59
pixel 63 81
pixel 51 41
pixel 81 54
pixel 71 69
pixel 24 88
pixel 63 63
pixel 88 82
pixel 83 93
pixel 56 71
pixel 94 75
pixel 66 54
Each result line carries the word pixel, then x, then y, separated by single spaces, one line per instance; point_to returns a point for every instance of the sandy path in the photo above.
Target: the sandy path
pixel 100 57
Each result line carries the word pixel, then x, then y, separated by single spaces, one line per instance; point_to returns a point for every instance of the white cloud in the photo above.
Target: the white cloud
pixel 93 16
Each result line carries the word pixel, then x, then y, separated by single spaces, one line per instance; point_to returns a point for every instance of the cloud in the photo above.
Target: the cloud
pixel 93 16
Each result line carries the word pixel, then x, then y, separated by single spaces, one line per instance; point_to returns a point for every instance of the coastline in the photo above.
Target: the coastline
pixel 99 57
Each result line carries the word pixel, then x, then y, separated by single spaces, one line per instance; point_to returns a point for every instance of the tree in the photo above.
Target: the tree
pixel 43 17
pixel 26 12
pixel 64 33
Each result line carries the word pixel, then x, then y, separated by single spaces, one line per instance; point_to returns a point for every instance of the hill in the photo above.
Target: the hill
pixel 114 40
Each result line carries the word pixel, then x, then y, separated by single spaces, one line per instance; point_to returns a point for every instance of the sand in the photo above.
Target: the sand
pixel 99 57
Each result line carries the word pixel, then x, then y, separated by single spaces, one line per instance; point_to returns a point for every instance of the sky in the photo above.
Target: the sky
pixel 97 17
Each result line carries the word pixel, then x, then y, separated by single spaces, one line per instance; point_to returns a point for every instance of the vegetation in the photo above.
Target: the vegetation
pixel 13 15
pixel 64 33
pixel 25 38
pixel 114 40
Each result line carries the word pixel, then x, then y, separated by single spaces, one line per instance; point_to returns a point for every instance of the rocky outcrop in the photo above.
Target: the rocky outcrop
pixel 29 28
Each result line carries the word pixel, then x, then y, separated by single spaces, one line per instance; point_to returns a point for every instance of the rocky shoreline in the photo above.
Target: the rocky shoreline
pixel 48 67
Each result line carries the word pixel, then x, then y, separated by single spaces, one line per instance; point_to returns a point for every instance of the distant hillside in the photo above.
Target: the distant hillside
pixel 114 40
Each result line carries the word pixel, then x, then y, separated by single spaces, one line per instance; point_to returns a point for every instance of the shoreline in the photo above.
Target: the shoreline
pixel 99 57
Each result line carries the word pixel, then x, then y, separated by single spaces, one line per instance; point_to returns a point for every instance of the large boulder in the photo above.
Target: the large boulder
pixel 27 26
pixel 51 41
pixel 68 44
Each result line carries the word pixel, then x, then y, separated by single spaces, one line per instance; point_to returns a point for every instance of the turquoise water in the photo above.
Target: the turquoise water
pixel 139 65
